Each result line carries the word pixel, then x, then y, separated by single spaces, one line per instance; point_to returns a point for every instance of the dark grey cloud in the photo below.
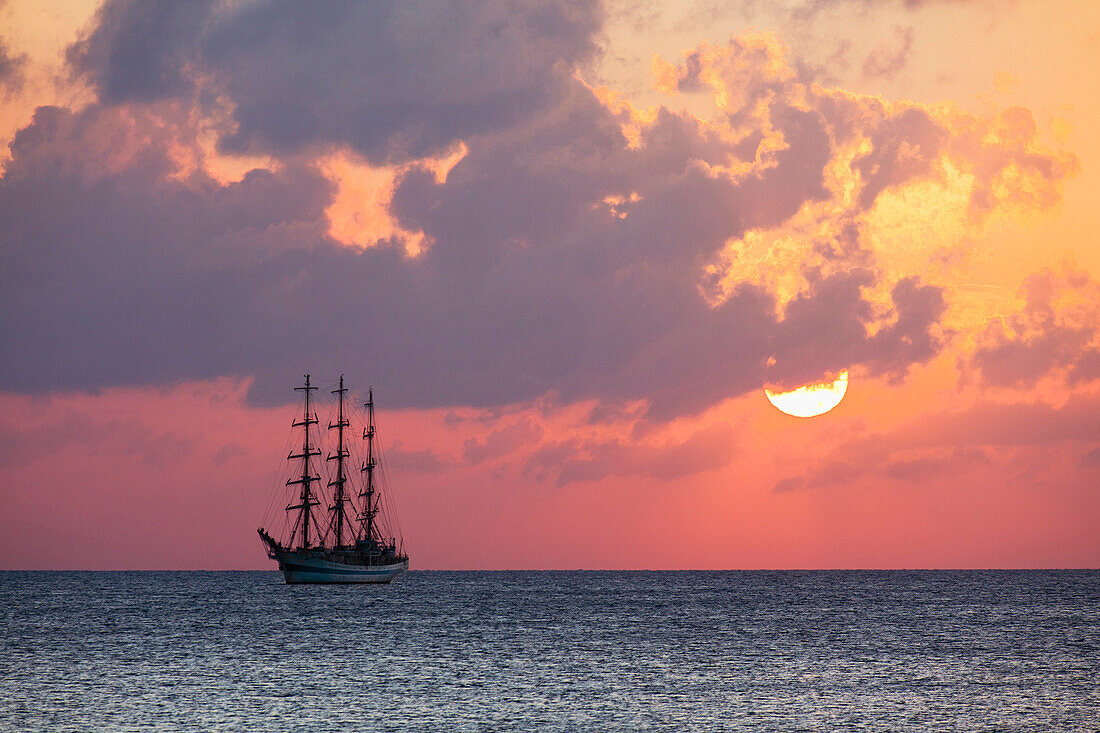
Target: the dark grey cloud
pixel 912 338
pixel 827 327
pixel 124 275
pixel 118 270
pixel 391 79
pixel 142 51
pixel 905 146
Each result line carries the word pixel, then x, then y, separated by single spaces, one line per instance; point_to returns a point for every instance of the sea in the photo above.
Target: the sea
pixel 552 651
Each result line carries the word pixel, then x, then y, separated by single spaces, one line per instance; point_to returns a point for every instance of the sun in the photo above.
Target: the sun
pixel 811 399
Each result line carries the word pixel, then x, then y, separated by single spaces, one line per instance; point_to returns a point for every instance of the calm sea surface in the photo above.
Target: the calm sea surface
pixel 557 651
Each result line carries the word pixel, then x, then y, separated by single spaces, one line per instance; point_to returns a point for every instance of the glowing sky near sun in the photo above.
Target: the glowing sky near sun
pixel 810 400
pixel 569 247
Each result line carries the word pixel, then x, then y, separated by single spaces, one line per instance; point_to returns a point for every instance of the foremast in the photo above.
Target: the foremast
pixel 306 499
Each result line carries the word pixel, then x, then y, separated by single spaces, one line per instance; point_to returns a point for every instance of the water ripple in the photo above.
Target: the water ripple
pixel 553 651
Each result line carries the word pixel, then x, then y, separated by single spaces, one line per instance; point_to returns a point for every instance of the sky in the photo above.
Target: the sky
pixel 569 245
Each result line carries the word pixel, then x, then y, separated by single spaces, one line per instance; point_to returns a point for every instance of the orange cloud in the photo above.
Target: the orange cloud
pixel 359 214
pixel 911 187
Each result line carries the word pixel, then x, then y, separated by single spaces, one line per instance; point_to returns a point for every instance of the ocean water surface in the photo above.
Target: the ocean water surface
pixel 553 651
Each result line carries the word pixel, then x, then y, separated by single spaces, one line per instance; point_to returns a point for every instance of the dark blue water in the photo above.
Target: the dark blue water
pixel 599 651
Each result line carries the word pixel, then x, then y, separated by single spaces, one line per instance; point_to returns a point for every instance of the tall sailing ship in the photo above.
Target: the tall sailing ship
pixel 345 544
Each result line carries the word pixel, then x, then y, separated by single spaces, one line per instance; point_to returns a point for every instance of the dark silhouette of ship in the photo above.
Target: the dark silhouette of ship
pixel 344 544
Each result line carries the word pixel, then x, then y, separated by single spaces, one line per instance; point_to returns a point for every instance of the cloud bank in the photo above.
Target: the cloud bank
pixel 573 250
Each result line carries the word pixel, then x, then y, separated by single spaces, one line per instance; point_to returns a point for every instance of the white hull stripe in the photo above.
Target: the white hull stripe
pixel 330 570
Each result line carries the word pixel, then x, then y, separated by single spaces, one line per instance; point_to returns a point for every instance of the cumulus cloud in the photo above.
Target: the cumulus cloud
pixel 568 247
pixel 754 83
pixel 905 146
pixel 1057 330
pixel 392 80
pixel 828 325
pixel 141 51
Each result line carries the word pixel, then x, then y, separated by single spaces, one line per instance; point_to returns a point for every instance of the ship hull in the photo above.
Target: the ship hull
pixel 298 568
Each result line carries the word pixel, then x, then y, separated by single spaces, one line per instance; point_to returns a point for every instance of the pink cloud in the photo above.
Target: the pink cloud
pixel 1056 331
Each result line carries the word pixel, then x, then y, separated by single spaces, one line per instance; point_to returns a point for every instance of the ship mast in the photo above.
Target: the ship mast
pixel 339 512
pixel 306 500
pixel 369 508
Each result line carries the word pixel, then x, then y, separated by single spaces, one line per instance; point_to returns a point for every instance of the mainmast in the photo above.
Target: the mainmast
pixel 370 509
pixel 339 513
pixel 306 500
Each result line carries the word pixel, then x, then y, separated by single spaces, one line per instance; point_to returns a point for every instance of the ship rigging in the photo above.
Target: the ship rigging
pixel 346 544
